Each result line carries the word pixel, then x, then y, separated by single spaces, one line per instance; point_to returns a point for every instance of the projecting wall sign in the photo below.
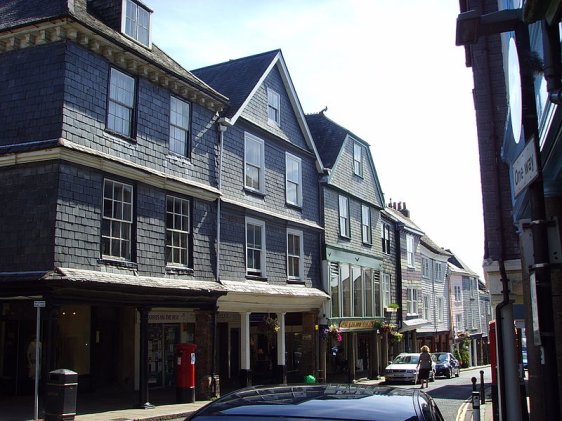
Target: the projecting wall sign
pixel 525 168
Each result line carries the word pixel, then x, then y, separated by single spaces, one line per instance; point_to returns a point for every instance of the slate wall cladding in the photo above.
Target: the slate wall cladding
pixel 32 94
pixel 363 188
pixel 388 264
pixel 28 197
pixel 77 242
pixel 78 218
pixel 107 11
pixel 274 198
pixel 233 248
pixel 256 111
pixel 331 223
pixel 86 91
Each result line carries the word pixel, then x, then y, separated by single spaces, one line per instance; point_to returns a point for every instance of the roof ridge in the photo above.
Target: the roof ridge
pixel 231 61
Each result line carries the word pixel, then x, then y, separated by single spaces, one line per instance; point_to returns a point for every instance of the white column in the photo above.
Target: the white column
pixel 281 339
pixel 245 341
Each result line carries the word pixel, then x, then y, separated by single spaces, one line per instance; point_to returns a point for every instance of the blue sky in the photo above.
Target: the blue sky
pixel 388 70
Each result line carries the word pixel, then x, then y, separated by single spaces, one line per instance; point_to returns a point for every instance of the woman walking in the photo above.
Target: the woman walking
pixel 424 365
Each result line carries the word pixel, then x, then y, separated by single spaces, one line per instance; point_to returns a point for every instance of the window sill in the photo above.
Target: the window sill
pixel 172 156
pixel 118 136
pixel 295 281
pixel 273 123
pixel 127 264
pixel 179 270
pixel 253 192
pixel 294 206
pixel 256 278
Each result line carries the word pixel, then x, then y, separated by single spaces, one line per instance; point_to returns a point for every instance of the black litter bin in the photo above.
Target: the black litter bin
pixel 60 395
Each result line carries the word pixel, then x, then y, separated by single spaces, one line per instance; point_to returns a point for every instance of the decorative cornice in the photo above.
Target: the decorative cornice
pixel 68 29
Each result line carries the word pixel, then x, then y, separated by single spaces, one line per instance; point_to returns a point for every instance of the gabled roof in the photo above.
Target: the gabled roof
pixel 330 139
pixel 239 80
pixel 401 218
pixel 328 136
pixel 459 266
pixel 431 245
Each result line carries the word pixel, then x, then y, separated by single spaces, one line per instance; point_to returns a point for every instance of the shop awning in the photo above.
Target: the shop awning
pixel 413 324
pixel 96 286
pixel 265 297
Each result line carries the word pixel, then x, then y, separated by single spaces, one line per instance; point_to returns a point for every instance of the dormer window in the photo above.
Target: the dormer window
pixel 136 21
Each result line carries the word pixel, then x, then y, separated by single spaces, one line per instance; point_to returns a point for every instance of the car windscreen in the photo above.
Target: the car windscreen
pixel 406 359
pixel 441 357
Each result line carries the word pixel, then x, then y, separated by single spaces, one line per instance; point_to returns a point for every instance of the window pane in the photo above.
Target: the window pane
pixel 335 289
pixel 177 230
pixel 368 282
pixel 357 291
pixel 346 290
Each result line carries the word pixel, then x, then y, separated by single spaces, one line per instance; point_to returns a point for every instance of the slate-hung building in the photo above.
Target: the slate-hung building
pixel 270 225
pixel 351 201
pixel 434 298
pixel 109 189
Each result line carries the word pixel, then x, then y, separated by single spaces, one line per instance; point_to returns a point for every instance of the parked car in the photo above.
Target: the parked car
pixel 321 402
pixel 405 368
pixel 446 365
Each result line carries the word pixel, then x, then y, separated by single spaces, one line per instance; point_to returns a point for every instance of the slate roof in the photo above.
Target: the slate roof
pixel 430 244
pixel 399 217
pixel 457 263
pixel 17 13
pixel 328 137
pixel 237 78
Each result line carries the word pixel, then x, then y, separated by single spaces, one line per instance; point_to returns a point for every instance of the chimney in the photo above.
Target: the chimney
pixel 405 211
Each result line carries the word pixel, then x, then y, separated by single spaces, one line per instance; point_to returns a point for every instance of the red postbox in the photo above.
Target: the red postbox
pixel 185 372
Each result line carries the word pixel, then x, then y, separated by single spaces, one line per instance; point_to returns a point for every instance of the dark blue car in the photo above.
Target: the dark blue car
pixel 321 402
pixel 447 365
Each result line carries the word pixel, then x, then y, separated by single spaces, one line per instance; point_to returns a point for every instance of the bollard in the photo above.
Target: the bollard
pixel 473 380
pixel 475 405
pixel 482 391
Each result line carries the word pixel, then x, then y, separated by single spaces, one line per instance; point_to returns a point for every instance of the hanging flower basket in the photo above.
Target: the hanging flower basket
pixel 332 332
pixel 387 328
pixel 396 337
pixel 271 325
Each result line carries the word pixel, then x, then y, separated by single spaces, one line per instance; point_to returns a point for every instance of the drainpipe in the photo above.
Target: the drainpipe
pixel 221 129
pixel 397 230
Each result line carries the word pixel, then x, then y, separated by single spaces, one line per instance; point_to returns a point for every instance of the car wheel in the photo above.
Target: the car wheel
pixel 449 373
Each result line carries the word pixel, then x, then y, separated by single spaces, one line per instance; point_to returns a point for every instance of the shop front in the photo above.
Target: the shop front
pixel 267 333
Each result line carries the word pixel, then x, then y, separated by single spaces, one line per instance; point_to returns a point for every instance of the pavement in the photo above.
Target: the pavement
pixel 174 411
